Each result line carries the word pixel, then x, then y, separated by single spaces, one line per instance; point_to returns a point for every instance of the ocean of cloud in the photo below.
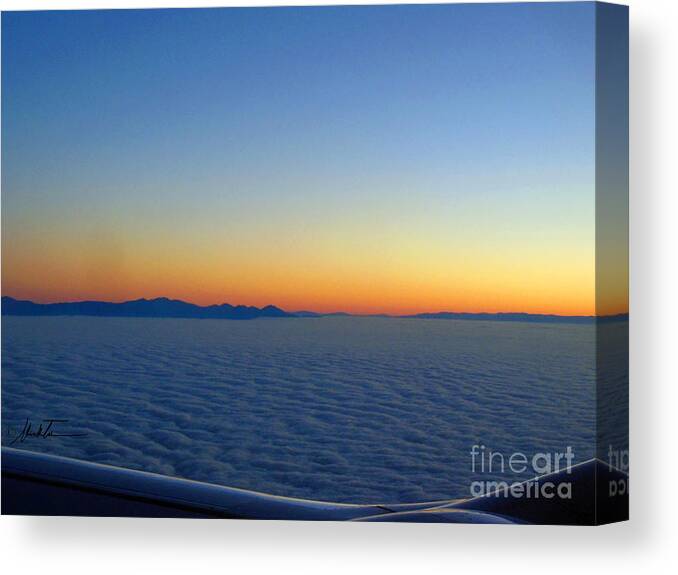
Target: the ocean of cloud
pixel 342 409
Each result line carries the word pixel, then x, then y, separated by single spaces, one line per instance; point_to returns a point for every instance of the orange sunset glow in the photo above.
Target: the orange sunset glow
pixel 325 268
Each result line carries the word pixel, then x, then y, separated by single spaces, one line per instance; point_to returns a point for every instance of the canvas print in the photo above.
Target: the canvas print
pixel 353 263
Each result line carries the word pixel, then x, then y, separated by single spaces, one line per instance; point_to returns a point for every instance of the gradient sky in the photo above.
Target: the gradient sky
pixel 368 159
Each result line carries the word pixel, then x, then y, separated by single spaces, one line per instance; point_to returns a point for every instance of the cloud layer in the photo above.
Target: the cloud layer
pixel 343 409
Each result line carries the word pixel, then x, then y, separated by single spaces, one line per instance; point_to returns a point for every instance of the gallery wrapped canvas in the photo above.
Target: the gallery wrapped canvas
pixel 353 263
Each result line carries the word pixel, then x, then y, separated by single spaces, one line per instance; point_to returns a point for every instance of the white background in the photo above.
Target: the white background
pixel 648 543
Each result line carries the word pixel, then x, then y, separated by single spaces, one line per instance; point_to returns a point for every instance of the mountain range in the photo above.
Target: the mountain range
pixel 159 307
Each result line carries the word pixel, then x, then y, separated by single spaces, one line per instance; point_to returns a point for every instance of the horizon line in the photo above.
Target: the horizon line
pixel 321 313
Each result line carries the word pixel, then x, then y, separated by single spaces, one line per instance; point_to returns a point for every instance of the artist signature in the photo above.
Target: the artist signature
pixel 46 428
